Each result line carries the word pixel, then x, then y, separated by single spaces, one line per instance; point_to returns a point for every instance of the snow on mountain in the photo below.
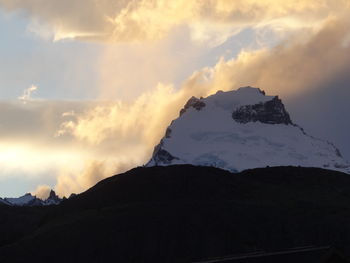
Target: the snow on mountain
pixel 30 200
pixel 20 201
pixel 242 129
pixel 53 199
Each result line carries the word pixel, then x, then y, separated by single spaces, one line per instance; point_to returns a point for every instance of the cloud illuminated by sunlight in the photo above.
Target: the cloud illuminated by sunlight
pixel 31 159
pixel 135 20
pixel 27 93
pixel 42 192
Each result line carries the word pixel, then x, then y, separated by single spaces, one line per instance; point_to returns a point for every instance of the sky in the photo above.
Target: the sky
pixel 87 87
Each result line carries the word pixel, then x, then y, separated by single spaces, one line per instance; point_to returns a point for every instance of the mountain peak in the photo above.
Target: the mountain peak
pixel 53 199
pixel 31 200
pixel 52 194
pixel 242 129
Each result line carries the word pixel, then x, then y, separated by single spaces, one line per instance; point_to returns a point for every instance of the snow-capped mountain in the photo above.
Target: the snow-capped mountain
pixel 242 129
pixel 30 200
pixel 27 199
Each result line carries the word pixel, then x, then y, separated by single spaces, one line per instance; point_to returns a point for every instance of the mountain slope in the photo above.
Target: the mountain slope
pixel 31 200
pixel 239 130
pixel 184 213
pixel 4 202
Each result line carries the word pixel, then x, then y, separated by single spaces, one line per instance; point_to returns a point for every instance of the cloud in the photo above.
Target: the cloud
pixel 71 182
pixel 134 20
pixel 42 192
pixel 28 147
pixel 27 93
pixel 127 70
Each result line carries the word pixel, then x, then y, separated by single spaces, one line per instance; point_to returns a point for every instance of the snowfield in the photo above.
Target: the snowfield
pixel 209 136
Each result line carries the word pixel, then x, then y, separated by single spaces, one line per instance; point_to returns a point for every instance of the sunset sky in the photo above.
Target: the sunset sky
pixel 87 87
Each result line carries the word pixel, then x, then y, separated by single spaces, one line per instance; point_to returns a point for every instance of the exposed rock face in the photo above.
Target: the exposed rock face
pixel 194 102
pixel 168 133
pixel 271 112
pixel 162 156
pixel 53 199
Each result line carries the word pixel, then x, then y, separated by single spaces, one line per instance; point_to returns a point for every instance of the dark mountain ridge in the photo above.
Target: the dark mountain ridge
pixel 183 213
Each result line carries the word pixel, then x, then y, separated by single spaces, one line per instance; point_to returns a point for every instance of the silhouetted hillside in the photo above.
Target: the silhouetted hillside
pixel 182 214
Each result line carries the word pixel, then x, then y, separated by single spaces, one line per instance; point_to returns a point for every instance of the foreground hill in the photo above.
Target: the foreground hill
pixel 183 213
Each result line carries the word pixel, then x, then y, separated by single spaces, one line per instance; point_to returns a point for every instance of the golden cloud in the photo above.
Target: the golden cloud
pixel 42 192
pixel 133 20
pixel 71 182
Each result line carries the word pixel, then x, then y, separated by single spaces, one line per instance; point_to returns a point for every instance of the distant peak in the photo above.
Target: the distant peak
pixel 52 194
pixel 72 195
pixel 53 197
